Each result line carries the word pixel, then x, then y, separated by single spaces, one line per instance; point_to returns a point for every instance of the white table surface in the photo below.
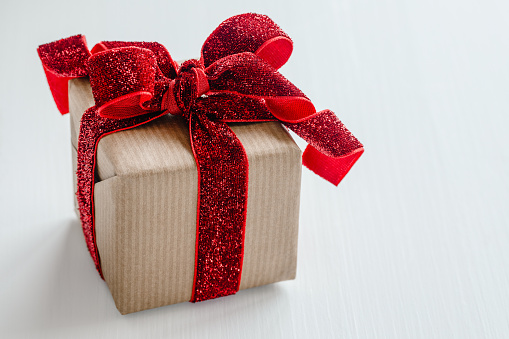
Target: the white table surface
pixel 414 243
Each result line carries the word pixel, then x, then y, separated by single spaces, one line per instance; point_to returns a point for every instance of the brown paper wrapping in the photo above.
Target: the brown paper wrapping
pixel 146 198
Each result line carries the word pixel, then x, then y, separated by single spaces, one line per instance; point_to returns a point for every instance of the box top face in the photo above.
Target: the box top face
pixel 163 144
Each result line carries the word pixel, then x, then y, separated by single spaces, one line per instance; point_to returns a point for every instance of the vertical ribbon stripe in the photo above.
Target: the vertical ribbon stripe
pixel 222 203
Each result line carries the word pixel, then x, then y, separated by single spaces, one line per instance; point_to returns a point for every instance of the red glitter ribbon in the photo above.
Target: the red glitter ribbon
pixel 235 80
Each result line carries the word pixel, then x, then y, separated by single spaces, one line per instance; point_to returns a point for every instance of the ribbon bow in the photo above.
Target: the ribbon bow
pixel 235 80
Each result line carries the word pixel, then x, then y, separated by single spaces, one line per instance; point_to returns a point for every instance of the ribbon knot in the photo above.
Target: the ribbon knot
pixel 136 82
pixel 190 84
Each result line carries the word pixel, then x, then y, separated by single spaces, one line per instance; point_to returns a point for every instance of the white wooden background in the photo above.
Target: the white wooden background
pixel 413 244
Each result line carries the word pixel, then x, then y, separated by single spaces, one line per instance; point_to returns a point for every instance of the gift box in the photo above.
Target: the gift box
pixel 187 184
pixel 145 204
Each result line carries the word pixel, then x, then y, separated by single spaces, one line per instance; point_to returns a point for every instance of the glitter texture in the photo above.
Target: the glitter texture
pixel 238 34
pixel 235 80
pixel 339 141
pixel 62 60
pixel 92 128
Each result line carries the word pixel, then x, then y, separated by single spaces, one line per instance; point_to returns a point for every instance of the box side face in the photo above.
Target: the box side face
pixel 80 99
pixel 74 158
pixel 146 232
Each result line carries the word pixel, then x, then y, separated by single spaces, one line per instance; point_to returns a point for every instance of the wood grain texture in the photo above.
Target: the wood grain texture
pixel 412 244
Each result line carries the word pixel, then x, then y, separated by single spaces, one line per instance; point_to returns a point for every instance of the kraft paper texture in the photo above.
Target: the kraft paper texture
pixel 146 198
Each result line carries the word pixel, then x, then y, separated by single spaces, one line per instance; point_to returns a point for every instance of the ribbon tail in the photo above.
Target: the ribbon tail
pixel 222 204
pixel 330 168
pixel 332 149
pixel 62 61
pixel 59 87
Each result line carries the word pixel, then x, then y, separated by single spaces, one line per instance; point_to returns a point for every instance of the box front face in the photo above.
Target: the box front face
pixel 146 201
pixel 270 251
pixel 145 233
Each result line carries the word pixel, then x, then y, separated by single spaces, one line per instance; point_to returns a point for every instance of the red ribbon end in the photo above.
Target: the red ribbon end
pixel 329 168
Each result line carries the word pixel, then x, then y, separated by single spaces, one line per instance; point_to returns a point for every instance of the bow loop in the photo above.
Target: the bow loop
pixel 166 66
pixel 248 74
pixel 249 32
pixel 122 81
